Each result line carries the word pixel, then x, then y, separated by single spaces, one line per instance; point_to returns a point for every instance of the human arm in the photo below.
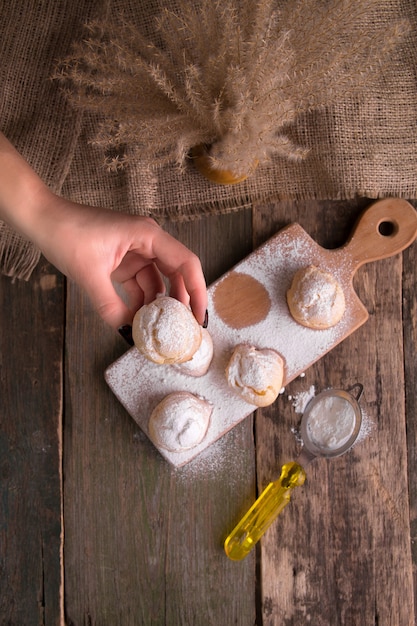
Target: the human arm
pixel 95 246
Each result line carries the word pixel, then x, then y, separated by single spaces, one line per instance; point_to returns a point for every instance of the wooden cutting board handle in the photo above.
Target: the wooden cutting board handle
pixel 385 228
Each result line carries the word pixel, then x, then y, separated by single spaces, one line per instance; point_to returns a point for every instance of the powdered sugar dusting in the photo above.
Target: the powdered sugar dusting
pixel 367 427
pixel 224 455
pixel 302 398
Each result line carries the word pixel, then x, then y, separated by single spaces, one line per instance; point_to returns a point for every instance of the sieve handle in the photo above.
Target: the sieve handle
pixel 263 512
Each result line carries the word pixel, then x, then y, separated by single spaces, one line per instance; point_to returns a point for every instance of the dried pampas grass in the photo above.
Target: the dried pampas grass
pixel 227 74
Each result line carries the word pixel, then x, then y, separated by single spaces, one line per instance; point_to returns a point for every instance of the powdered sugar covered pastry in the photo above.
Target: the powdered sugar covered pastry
pixel 255 374
pixel 315 298
pixel 198 365
pixel 166 331
pixel 180 421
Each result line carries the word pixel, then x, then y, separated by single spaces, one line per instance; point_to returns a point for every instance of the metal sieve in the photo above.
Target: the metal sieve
pixel 317 407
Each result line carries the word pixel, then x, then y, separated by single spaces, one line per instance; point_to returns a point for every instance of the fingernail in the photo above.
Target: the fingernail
pixel 126 332
pixel 205 323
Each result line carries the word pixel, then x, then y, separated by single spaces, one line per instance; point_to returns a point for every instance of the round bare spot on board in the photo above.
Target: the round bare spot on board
pixel 240 300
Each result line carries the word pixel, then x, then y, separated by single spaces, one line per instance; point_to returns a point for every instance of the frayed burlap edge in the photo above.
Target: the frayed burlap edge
pixel 18 257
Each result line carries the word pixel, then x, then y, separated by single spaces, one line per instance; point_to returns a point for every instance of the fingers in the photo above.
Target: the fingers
pixel 134 294
pixel 186 289
pixel 108 304
pixel 141 288
pixel 183 269
pixel 141 280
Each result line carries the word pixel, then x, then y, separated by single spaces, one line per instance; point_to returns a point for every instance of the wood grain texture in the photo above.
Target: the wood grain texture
pixel 144 542
pixel 410 368
pixel 240 300
pixel 340 553
pixel 31 349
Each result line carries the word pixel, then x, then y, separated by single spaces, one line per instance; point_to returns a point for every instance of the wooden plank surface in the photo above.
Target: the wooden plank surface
pixel 31 348
pixel 341 552
pixel 143 541
pixel 410 370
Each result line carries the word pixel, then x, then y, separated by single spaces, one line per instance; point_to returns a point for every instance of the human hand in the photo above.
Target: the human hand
pixel 96 247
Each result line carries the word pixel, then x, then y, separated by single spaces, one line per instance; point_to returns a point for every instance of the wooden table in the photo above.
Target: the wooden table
pixel 97 529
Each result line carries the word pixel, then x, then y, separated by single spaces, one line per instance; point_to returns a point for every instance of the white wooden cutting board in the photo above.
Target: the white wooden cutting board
pixel 248 304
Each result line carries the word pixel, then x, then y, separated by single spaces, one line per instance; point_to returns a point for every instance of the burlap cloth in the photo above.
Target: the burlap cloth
pixel 361 147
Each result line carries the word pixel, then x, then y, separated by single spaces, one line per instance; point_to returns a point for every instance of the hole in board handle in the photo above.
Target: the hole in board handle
pixel 387 228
